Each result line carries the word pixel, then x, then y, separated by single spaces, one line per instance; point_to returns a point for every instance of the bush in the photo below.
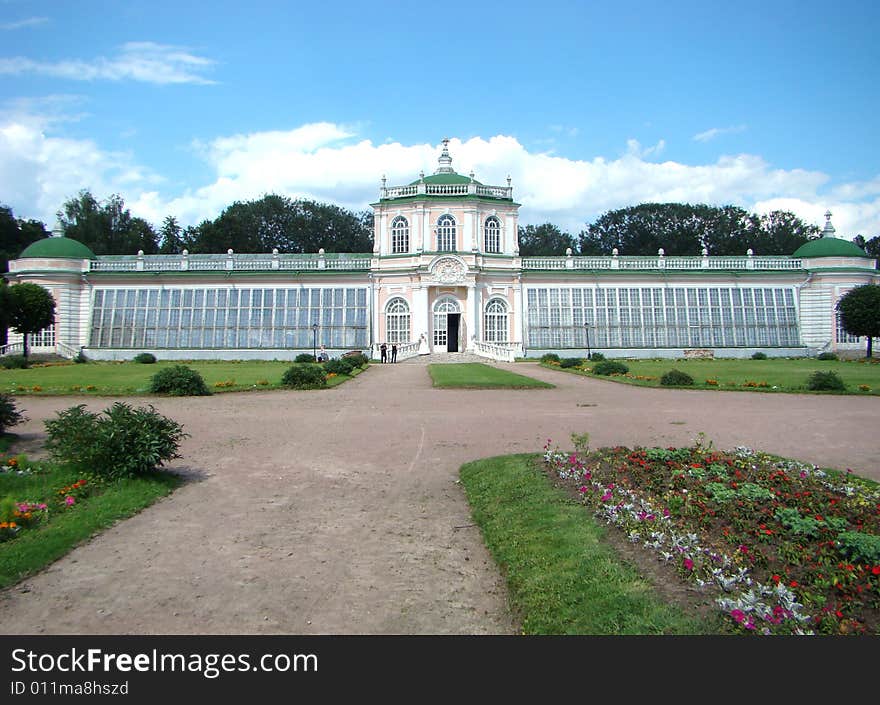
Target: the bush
pixel 145 359
pixel 124 442
pixel 304 357
pixel 358 360
pixel 179 381
pixel 827 356
pixel 80 358
pixel 597 357
pixel 340 367
pixel 9 413
pixel 859 547
pixel 676 378
pixel 304 377
pixel 610 367
pixel 569 362
pixel 550 357
pixel 759 356
pixel 14 362
pixel 825 382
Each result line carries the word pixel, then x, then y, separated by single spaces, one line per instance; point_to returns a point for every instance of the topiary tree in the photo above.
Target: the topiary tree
pixel 859 311
pixel 31 308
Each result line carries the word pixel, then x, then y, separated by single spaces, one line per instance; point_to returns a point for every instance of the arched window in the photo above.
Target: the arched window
pixel 492 232
pixel 397 321
pixel 399 235
pixel 446 233
pixel 496 321
pixel 442 308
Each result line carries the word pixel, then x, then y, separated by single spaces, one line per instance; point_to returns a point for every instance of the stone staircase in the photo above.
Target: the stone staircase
pixel 445 358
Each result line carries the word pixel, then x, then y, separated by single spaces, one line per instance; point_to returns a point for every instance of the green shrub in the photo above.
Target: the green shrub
pixel 340 367
pixel 550 357
pixel 179 381
pixel 827 356
pixel 597 357
pixel 9 413
pixel 676 378
pixel 145 359
pixel 359 360
pixel 827 381
pixel 610 367
pixel 569 362
pixel 123 442
pixel 304 377
pixel 304 357
pixel 859 547
pixel 14 362
pixel 80 358
pixel 759 356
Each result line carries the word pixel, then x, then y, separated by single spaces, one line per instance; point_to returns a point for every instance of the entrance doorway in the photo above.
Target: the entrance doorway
pixel 447 324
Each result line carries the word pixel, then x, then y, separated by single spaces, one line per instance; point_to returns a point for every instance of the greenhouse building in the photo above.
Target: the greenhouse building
pixel 445 275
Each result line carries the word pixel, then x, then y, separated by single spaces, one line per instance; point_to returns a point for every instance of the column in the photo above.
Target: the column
pixel 471 312
pixel 420 312
pixel 518 313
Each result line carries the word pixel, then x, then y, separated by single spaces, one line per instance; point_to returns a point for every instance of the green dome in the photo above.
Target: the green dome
pixel 452 178
pixel 57 247
pixel 830 247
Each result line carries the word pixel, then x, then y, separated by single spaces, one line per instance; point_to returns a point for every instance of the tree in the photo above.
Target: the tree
pixel 31 308
pixel 545 240
pixel 108 228
pixel 4 311
pixel 859 312
pixel 16 234
pixel 171 237
pixel 290 226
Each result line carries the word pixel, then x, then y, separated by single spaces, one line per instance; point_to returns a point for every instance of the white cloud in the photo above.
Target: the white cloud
pixel 635 149
pixel 147 62
pixel 329 162
pixel 21 24
pixel 714 132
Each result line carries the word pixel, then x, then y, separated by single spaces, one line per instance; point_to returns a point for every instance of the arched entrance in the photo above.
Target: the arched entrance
pixel 447 325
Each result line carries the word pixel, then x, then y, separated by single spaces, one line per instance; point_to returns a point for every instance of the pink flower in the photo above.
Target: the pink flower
pixel 69 501
pixel 583 489
pixel 688 564
pixel 606 496
pixel 738 615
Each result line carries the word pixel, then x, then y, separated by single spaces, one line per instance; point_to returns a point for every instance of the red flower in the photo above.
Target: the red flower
pixel 775 579
pixel 876 570
pixel 794 584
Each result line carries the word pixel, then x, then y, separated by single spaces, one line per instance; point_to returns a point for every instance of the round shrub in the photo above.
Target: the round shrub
pixel 759 356
pixel 145 359
pixel 550 357
pixel 9 413
pixel 340 367
pixel 597 357
pixel 569 362
pixel 610 367
pixel 829 381
pixel 304 357
pixel 304 377
pixel 179 381
pixel 13 362
pixel 676 378
pixel 359 360
pixel 827 356
pixel 80 358
pixel 123 442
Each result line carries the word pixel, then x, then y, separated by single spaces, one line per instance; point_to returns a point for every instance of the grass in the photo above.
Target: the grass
pixel 771 375
pixel 129 378
pixel 562 577
pixel 35 548
pixel 475 375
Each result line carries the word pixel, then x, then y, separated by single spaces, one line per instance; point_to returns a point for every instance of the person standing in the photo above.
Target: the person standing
pixel 383 349
pixel 393 352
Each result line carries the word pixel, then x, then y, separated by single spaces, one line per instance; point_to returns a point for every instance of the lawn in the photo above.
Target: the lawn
pixel 752 543
pixel 771 375
pixel 475 375
pixel 562 576
pixel 129 378
pixel 39 524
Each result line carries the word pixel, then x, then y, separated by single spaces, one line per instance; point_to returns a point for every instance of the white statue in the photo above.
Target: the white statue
pixel 423 345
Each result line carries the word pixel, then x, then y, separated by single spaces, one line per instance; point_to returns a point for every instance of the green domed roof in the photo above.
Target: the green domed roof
pixel 452 178
pixel 57 247
pixel 830 247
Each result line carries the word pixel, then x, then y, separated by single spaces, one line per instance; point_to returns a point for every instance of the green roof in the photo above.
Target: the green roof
pixel 830 247
pixel 452 178
pixel 57 247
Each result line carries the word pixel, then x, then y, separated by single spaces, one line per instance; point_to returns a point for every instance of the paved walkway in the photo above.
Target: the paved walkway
pixel 340 512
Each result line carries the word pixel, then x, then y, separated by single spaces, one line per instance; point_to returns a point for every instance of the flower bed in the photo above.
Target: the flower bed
pixel 783 547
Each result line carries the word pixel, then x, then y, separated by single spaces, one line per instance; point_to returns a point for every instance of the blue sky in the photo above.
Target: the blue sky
pixel 185 107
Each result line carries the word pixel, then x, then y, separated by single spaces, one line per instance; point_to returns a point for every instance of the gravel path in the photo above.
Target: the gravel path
pixel 340 512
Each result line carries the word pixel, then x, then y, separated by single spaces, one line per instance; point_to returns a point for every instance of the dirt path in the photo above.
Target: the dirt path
pixel 340 512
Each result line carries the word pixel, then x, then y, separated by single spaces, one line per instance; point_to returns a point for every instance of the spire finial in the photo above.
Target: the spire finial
pixel 828 230
pixel 445 161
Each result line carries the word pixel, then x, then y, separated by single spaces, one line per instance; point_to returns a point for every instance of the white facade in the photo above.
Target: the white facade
pixel 445 275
